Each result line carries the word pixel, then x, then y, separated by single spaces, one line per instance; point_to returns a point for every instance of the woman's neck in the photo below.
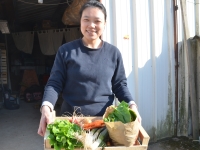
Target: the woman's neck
pixel 95 44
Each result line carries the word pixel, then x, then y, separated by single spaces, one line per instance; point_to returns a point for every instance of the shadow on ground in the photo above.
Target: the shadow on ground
pixel 175 143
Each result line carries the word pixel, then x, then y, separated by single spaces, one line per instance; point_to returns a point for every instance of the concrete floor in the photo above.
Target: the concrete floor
pixel 18 130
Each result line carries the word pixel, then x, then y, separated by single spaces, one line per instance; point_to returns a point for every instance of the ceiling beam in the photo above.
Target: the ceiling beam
pixel 7 10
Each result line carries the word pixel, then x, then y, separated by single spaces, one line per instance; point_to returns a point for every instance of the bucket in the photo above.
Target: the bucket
pixel 11 103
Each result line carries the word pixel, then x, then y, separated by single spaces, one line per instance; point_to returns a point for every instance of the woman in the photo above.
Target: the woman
pixel 88 71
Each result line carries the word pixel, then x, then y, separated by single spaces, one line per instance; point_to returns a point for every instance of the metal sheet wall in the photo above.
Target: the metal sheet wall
pixel 184 115
pixel 143 31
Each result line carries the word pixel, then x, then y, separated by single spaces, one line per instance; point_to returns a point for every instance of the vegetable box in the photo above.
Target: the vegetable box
pixel 142 142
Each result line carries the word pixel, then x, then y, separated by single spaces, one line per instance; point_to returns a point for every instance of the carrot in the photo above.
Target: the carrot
pixel 94 124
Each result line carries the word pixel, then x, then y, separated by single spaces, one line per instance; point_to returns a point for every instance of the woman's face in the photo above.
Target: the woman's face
pixel 92 23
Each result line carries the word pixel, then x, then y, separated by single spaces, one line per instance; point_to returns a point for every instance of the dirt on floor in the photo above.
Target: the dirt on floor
pixel 175 143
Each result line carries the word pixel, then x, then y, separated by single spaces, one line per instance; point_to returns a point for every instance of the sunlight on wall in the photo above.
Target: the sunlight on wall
pixel 159 26
pixel 143 36
pixel 143 32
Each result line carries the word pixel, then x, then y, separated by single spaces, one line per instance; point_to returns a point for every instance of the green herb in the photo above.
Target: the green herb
pixel 121 113
pixel 62 135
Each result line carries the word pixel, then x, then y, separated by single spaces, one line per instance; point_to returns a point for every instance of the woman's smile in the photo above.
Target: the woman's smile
pixel 91 32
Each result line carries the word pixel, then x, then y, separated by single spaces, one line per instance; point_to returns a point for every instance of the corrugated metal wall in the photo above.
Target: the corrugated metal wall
pixel 184 111
pixel 143 30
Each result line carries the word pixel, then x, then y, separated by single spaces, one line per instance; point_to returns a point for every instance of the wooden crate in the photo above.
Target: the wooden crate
pixel 143 137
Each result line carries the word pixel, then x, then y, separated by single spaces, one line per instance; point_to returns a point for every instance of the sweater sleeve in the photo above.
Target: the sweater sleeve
pixel 56 80
pixel 119 82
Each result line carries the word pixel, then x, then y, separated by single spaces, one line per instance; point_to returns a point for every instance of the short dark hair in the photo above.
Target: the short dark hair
pixel 93 3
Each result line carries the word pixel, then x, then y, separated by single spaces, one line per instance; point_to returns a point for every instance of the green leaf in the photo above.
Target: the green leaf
pixel 58 138
pixel 62 135
pixel 55 130
pixel 121 113
pixel 57 146
pixel 63 140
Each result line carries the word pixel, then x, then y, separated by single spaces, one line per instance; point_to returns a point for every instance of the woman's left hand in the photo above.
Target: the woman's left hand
pixel 134 108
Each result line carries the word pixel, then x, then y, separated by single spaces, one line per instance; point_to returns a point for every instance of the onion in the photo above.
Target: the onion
pixel 86 120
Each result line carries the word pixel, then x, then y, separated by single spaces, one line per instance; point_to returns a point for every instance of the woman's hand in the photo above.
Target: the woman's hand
pixel 134 108
pixel 46 118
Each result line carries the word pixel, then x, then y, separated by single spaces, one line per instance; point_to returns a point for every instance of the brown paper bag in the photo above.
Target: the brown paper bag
pixel 120 133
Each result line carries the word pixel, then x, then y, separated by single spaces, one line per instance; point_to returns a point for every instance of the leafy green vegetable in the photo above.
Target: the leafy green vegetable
pixel 62 135
pixel 121 113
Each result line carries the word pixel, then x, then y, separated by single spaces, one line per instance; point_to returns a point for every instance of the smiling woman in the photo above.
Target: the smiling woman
pixel 93 22
pixel 88 71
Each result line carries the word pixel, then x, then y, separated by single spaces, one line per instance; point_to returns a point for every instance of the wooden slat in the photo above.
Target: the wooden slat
pixel 4 75
pixel 3 80
pixel 3 60
pixel 3 68
pixel 3 56
pixel 144 136
pixel 2 45
pixel 141 147
pixel 3 52
pixel 3 63
pixel 3 71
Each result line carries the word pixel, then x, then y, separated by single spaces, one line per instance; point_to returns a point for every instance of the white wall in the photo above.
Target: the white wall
pixel 143 31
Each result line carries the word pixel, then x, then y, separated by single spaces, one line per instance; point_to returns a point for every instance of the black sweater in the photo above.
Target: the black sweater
pixel 88 78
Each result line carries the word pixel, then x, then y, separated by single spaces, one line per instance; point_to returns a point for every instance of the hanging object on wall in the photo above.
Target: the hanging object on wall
pixel 4 27
pixel 40 1
pixel 71 34
pixel 50 41
pixel 24 41
pixel 71 14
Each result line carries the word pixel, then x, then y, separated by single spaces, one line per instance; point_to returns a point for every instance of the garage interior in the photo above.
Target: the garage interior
pixel 31 32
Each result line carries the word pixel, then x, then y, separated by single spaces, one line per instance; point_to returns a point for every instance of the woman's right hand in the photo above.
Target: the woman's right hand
pixel 47 117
